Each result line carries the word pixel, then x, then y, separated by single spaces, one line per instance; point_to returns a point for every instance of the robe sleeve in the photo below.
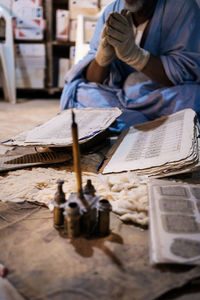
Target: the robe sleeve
pixel 180 41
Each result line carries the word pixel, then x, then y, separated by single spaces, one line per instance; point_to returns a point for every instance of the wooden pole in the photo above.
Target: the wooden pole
pixel 77 161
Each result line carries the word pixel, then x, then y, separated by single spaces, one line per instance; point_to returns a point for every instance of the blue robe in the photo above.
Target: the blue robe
pixel 174 36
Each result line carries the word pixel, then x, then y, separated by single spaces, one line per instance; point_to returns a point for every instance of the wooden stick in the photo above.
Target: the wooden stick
pixel 77 162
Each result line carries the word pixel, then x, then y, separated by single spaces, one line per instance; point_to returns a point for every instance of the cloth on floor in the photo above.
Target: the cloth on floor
pixel 43 265
pixel 7 291
pixel 126 192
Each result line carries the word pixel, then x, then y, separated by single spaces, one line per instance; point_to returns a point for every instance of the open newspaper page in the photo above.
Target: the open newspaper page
pixel 57 131
pixel 168 142
pixel 174 211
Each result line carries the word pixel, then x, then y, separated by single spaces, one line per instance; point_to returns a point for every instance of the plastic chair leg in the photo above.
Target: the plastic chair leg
pixel 8 66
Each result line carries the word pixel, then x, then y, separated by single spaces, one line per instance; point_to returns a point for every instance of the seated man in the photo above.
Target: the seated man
pixel 144 58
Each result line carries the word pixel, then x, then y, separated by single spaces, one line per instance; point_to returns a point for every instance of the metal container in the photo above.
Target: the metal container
pixel 58 203
pixel 72 219
pixel 103 217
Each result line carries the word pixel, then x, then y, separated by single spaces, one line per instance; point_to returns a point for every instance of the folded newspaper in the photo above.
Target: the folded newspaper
pixel 46 143
pixel 174 211
pixel 57 131
pixel 163 147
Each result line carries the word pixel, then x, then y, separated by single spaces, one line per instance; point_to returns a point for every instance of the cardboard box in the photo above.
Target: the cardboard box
pixel 72 30
pixel 6 3
pixel 28 13
pixel 62 24
pixel 89 30
pixel 72 53
pixel 27 3
pixel 36 24
pixel 85 7
pixel 30 78
pixel 30 62
pixel 63 68
pixel 104 3
pixel 33 50
pixel 88 4
pixel 29 34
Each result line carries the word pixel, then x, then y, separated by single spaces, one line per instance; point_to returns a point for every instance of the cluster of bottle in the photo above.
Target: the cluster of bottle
pixel 75 219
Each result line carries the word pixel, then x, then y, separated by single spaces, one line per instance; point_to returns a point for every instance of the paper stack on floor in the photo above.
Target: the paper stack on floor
pixel 163 147
pixel 57 131
pixel 54 139
pixel 174 210
pixel 166 146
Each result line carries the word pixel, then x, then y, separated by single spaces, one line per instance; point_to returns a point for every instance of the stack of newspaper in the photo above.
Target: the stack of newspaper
pixel 48 143
pixel 57 131
pixel 174 211
pixel 163 147
pixel 166 146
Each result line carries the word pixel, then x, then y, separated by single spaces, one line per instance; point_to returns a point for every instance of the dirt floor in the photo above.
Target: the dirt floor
pixel 26 114
pixel 119 263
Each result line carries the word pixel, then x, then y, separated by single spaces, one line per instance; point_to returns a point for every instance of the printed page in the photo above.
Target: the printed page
pixel 174 211
pixel 185 165
pixel 57 131
pixel 155 143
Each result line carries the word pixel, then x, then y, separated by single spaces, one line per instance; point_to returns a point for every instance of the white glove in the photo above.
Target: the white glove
pixel 119 34
pixel 105 52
